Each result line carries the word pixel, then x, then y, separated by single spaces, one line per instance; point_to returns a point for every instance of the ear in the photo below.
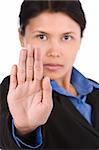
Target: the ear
pixel 21 38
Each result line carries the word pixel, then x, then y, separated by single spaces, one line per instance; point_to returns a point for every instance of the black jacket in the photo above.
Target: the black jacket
pixel 66 128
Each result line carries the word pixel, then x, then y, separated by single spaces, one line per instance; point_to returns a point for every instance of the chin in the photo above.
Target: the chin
pixel 53 76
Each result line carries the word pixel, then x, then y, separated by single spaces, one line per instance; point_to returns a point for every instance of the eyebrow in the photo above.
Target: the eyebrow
pixel 42 32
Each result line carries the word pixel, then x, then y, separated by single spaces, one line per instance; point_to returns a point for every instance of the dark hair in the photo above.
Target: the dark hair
pixel 32 8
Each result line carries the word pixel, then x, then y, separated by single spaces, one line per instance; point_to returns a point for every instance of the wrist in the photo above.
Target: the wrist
pixel 24 130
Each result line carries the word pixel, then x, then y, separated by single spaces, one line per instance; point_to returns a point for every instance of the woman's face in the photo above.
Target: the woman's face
pixel 58 38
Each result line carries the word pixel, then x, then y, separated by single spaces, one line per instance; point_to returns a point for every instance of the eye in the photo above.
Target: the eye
pixel 67 37
pixel 42 37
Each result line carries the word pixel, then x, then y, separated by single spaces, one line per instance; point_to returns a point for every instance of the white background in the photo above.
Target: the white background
pixel 88 57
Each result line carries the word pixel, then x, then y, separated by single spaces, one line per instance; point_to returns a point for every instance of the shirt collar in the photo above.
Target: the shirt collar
pixel 81 83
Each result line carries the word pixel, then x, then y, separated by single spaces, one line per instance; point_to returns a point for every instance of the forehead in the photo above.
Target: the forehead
pixel 52 21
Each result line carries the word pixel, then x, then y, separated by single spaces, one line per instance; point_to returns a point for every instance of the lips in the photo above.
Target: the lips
pixel 53 67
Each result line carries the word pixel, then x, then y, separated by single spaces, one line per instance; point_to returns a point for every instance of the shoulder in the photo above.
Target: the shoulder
pixel 5 82
pixel 4 86
pixel 94 83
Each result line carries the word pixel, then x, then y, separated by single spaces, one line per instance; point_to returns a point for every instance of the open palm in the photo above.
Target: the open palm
pixel 30 94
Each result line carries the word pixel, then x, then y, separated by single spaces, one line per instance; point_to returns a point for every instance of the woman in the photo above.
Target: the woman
pixel 46 103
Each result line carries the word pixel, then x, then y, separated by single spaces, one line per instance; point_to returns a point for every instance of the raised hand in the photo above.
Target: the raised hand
pixel 30 93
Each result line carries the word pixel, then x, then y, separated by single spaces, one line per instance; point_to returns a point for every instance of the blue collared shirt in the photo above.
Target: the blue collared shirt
pixel 83 87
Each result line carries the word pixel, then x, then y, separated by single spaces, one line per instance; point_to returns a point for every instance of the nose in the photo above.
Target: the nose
pixel 54 49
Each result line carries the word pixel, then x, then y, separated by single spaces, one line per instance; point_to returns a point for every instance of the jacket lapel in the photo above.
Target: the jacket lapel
pixel 76 115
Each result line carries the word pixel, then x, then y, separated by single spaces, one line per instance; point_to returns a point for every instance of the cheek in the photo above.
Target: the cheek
pixel 73 53
pixel 70 55
pixel 39 44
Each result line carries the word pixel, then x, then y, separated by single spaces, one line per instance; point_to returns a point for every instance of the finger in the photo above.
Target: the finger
pixel 13 77
pixel 47 92
pixel 22 67
pixel 29 67
pixel 38 65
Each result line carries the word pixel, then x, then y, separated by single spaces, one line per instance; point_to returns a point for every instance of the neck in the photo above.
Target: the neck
pixel 65 82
